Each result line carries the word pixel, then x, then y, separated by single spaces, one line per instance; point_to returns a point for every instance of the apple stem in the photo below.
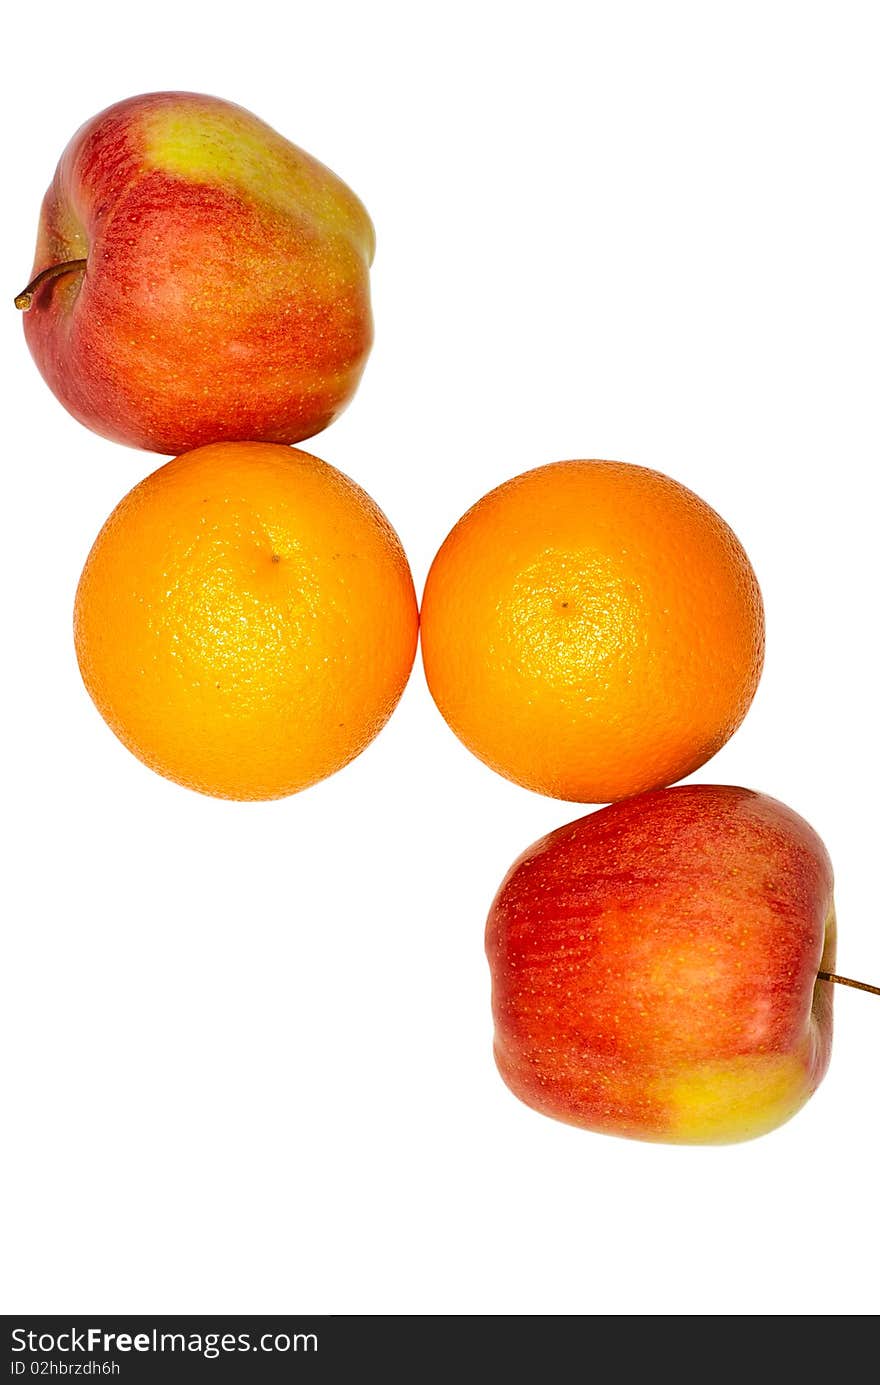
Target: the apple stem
pixel 24 299
pixel 845 981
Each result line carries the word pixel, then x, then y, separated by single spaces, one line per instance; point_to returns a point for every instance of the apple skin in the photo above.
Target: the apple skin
pixel 226 294
pixel 654 967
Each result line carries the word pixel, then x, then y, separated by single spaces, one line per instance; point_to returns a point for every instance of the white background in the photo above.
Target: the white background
pixel 247 1048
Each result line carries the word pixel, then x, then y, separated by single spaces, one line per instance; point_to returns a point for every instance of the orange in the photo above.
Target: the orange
pixel 592 630
pixel 246 620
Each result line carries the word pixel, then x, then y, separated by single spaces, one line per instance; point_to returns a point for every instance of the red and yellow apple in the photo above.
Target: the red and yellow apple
pixel 198 279
pixel 654 967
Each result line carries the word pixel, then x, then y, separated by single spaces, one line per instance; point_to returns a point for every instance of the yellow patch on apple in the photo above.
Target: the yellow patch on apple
pixel 735 1099
pixel 232 148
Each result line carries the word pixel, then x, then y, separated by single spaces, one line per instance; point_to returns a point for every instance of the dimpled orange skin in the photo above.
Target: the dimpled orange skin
pixel 246 620
pixel 226 290
pixel 592 630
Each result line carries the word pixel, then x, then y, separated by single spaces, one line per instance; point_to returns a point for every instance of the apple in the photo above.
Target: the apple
pixel 655 967
pixel 198 279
